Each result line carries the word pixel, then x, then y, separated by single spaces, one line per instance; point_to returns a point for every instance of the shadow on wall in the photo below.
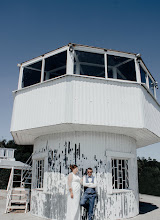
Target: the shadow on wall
pixel 145 207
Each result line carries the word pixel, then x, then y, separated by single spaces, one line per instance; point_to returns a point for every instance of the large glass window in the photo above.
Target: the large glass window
pixel 120 177
pixel 90 64
pixel 39 173
pixel 55 65
pixel 121 68
pixel 31 74
pixel 151 86
pixel 143 75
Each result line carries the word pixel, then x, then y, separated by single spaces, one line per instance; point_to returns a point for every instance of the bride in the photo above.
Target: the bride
pixel 73 199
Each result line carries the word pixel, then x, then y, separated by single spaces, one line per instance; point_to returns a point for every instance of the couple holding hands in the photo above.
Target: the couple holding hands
pixel 88 198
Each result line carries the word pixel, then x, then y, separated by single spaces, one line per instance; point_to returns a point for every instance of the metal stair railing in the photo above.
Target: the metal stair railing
pixel 27 172
pixel 9 189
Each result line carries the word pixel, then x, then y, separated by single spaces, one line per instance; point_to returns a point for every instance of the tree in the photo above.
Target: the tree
pixel 149 176
pixel 22 153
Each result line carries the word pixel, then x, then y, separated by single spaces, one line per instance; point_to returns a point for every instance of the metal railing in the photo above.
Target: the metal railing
pixel 27 172
pixel 9 189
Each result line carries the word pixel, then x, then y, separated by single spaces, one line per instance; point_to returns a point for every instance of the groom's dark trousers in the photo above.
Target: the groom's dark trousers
pixel 87 201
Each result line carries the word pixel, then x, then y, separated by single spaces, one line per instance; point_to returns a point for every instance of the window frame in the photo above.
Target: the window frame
pixel 91 64
pixel 37 59
pixel 22 70
pixel 106 53
pixel 148 75
pixel 130 57
pixel 44 62
pixel 37 182
pixel 126 176
pixel 122 156
pixel 70 65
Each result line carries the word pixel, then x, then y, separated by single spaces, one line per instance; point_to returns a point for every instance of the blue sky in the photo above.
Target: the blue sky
pixel 31 28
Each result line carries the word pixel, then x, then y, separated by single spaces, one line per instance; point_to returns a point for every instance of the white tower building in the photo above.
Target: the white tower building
pixel 91 107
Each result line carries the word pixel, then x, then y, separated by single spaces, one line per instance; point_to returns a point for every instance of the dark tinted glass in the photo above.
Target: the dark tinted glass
pixel 90 64
pixel 143 75
pixel 121 68
pixel 31 74
pixel 55 65
pixel 151 86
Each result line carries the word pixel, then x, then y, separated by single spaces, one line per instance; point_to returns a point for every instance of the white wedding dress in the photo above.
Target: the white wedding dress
pixel 73 205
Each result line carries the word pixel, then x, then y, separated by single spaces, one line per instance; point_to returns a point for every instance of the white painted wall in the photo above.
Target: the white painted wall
pixel 151 113
pixel 85 101
pixel 96 150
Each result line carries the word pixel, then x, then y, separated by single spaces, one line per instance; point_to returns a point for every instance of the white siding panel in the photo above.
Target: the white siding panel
pixel 151 113
pixel 75 102
pixel 39 106
pixel 106 103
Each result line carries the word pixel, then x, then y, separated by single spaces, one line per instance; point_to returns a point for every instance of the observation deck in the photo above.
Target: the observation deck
pixel 82 88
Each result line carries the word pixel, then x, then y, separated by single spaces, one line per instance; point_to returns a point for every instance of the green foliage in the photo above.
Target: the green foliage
pixel 22 153
pixel 4 177
pixel 149 176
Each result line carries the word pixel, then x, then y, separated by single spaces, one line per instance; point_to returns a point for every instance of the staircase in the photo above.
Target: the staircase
pixel 19 185
pixel 19 199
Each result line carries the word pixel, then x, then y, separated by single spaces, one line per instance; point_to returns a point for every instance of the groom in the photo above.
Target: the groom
pixel 88 198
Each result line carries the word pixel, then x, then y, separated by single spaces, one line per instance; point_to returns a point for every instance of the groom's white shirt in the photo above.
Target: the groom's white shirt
pixel 90 184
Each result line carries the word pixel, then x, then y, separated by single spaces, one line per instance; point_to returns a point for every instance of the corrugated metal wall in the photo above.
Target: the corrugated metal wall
pixel 151 113
pixel 39 106
pixel 106 103
pixel 85 101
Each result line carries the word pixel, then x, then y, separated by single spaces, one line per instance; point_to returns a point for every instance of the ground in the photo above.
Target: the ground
pixel 149 209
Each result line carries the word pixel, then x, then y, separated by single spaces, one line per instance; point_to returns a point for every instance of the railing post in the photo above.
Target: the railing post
pixel 138 74
pixel 70 60
pixel 9 188
pixel 21 176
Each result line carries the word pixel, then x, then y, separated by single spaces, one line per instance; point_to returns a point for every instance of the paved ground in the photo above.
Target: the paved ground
pixel 149 209
pixel 13 216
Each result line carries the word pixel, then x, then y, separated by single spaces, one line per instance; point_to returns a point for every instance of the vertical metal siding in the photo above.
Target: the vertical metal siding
pixel 39 106
pixel 86 101
pixel 106 103
pixel 151 113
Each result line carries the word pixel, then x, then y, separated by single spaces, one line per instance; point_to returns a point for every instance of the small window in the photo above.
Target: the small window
pixel 31 74
pixel 55 65
pixel 121 68
pixel 120 178
pixel 39 173
pixel 90 64
pixel 151 86
pixel 143 75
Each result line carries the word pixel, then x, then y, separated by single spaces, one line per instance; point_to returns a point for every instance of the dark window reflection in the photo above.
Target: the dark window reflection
pixel 55 65
pixel 143 75
pixel 32 74
pixel 121 68
pixel 90 64
pixel 151 86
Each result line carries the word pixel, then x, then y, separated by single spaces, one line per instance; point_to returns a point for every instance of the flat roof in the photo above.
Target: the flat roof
pixel 8 164
pixel 80 45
